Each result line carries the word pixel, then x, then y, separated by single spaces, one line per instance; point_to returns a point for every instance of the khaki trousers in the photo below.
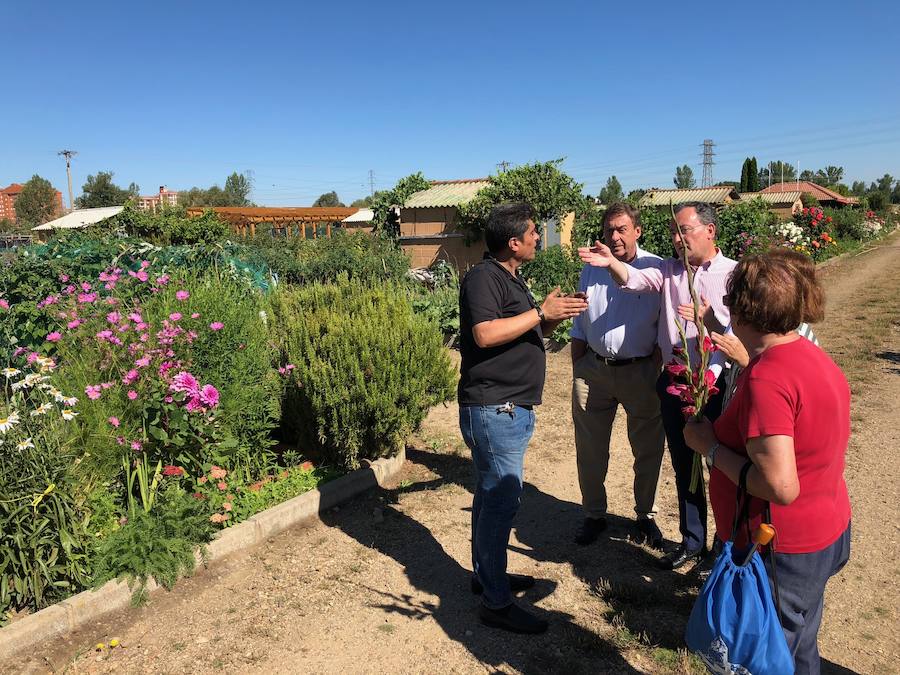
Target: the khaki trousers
pixel 597 391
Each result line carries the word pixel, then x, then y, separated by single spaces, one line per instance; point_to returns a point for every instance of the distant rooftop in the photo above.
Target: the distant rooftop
pixel 447 193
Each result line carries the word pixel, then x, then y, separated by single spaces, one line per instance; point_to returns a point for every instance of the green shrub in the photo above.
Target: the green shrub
pixel 157 544
pixel 847 223
pixel 655 236
pixel 358 255
pixel 551 267
pixel 274 490
pixel 751 217
pixel 367 368
pixel 438 301
pixel 169 226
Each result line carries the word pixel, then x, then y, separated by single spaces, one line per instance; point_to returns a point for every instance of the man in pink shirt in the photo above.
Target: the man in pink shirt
pixel 711 271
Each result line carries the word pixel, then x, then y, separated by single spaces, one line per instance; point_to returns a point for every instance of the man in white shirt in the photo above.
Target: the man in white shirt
pixel 613 345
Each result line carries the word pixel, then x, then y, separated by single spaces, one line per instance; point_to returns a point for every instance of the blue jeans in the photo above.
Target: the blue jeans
pixel 497 441
pixel 801 583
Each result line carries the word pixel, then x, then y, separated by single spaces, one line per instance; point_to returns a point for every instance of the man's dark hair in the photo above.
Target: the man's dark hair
pixel 706 212
pixel 621 209
pixel 505 222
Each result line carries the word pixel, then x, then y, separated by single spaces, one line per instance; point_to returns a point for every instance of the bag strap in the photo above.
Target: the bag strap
pixel 742 503
pixel 768 513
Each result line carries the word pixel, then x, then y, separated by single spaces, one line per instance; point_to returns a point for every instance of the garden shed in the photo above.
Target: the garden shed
pixel 718 196
pixel 824 196
pixel 428 231
pixel 782 204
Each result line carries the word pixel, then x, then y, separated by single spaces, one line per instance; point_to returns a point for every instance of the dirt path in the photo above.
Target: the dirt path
pixel 381 586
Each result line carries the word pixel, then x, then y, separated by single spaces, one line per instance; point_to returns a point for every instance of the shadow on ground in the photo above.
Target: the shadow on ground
pixel 645 604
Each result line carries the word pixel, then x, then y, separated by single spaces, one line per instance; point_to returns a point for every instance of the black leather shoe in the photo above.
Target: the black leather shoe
pixel 680 557
pixel 512 618
pixel 589 531
pixel 517 582
pixel 648 533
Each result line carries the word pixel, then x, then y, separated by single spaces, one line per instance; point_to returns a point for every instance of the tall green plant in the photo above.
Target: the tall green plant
pixel 367 368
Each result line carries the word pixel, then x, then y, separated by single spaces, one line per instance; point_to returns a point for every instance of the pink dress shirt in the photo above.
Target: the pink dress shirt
pixel 672 281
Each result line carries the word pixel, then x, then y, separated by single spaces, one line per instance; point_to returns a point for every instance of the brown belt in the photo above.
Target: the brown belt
pixel 618 362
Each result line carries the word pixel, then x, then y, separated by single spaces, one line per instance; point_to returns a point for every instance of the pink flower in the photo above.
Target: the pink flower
pixel 226 506
pixel 74 324
pixel 216 325
pixel 114 421
pixel 86 298
pixel 708 345
pixel 675 369
pixel 306 466
pixel 134 316
pixel 68 290
pixel 130 376
pixel 54 336
pixel 182 295
pixel 676 389
pixel 195 315
pixel 185 382
pixel 163 280
pixel 141 275
pixel 193 405
pixel 64 278
pixel 132 394
pixel 688 411
pixel 222 485
pixel 120 440
pixel 175 316
pixel 113 317
pixel 4 304
pixel 710 378
pixel 209 395
pixel 217 472
pixel 142 362
pixel 107 385
pixel 85 286
pixel 171 470
pixel 32 357
pixel 92 391
pixel 136 446
pixel 218 518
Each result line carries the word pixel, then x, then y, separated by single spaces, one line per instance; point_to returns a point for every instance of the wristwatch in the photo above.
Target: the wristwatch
pixel 710 458
pixel 540 313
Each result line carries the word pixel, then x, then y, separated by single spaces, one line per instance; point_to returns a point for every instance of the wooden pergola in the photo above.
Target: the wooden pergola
pixel 284 221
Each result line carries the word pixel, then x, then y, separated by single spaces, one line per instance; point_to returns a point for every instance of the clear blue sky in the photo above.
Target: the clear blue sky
pixel 310 97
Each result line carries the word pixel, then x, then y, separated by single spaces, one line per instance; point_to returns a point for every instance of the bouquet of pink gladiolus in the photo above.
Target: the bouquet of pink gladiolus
pixel 691 380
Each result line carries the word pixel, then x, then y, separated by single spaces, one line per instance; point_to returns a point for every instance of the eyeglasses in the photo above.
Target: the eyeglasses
pixel 685 230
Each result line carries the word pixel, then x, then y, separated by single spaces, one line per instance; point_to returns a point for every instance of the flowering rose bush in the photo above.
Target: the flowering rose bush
pixel 816 225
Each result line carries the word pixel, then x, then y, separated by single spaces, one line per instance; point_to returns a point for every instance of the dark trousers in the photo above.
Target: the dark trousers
pixel 691 505
pixel 801 584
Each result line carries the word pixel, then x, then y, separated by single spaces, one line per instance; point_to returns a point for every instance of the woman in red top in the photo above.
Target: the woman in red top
pixel 790 418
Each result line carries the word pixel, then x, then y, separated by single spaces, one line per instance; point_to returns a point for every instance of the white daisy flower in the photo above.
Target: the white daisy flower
pixel 15 386
pixel 7 423
pixel 11 372
pixel 68 400
pixel 32 379
pixel 23 445
pixel 69 414
pixel 42 409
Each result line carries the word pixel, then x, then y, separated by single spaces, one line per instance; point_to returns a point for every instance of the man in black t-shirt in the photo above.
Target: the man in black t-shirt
pixel 501 380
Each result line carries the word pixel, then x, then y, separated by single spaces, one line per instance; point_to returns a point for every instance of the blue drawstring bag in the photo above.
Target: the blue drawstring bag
pixel 733 626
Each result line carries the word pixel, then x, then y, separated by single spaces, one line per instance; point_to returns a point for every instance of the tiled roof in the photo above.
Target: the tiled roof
pixel 817 191
pixel 712 195
pixel 772 197
pixel 447 193
pixel 13 189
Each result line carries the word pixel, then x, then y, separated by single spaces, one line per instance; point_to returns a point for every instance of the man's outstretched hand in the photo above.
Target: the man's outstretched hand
pixel 597 255
pixel 557 307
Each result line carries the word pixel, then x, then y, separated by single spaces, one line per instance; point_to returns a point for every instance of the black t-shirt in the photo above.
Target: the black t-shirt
pixel 510 372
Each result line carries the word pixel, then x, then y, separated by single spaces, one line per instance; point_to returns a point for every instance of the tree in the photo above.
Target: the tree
pixel 384 219
pixel 550 192
pixel 100 191
pixel 634 197
pixel 368 200
pixel 328 199
pixel 808 175
pixel 237 189
pixel 36 203
pixel 781 172
pixel 830 175
pixel 745 176
pixel 858 189
pixel 236 193
pixel 684 177
pixel 612 192
pixel 753 176
pixel 883 184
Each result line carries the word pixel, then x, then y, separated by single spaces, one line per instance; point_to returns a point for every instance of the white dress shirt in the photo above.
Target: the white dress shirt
pixel 618 324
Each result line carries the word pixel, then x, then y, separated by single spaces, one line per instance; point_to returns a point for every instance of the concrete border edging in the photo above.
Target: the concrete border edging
pixel 88 606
